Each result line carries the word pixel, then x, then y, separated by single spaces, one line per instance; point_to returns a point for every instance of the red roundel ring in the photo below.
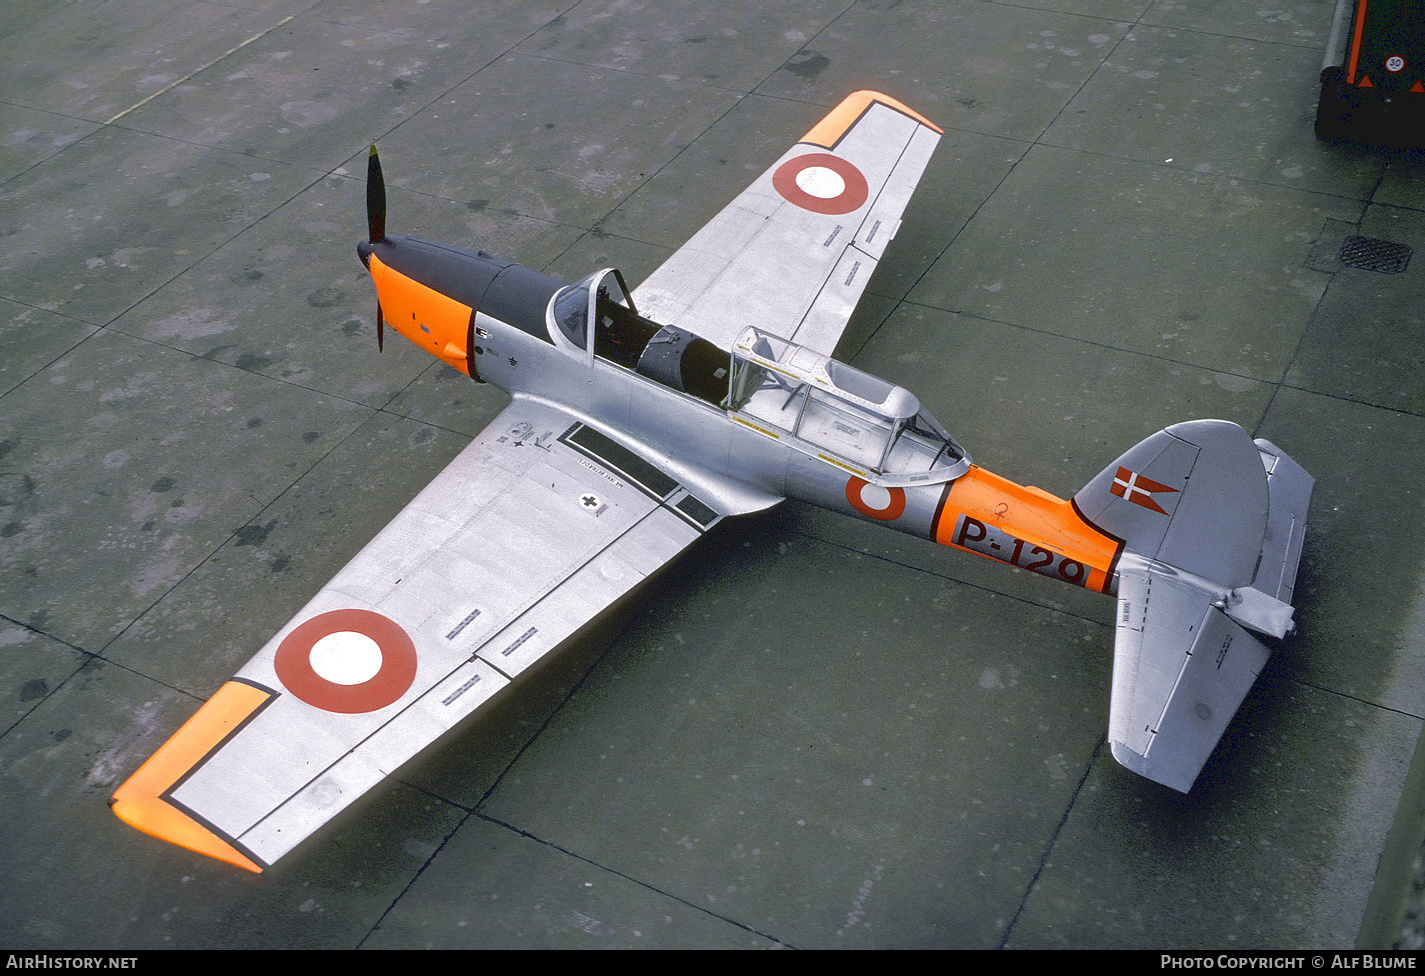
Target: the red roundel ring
pixel 821 183
pixel 395 675
pixel 892 509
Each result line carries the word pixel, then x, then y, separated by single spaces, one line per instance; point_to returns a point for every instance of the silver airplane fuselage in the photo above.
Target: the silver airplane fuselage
pixel 741 428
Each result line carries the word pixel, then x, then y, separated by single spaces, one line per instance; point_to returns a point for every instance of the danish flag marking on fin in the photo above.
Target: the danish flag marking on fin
pixel 1138 489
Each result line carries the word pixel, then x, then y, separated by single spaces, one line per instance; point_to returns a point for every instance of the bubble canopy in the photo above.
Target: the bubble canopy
pixel 840 414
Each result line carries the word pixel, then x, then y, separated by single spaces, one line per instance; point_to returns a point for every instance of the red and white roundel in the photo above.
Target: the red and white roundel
pixel 821 183
pixel 347 661
pixel 875 502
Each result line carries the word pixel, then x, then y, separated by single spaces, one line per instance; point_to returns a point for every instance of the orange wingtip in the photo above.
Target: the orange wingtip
pixel 141 803
pixel 828 132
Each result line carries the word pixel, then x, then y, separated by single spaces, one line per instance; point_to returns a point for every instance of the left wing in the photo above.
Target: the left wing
pixel 792 254
pixel 529 533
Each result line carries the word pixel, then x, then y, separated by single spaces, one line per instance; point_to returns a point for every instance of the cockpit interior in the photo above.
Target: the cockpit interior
pixel 824 405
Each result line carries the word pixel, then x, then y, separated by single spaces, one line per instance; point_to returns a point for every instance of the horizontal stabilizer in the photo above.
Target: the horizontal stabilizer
pixel 1181 669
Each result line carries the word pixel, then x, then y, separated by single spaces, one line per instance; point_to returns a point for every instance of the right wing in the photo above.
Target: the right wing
pixel 1181 668
pixel 531 532
pixel 793 253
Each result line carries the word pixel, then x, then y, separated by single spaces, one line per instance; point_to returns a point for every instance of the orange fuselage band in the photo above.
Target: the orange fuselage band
pixel 1025 527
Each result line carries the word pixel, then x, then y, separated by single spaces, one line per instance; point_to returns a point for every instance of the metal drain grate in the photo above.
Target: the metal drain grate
pixel 1374 254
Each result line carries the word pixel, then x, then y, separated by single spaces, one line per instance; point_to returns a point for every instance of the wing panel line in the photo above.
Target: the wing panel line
pixel 852 239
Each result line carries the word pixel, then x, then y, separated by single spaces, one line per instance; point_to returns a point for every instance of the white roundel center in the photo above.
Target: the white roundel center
pixel 821 182
pixel 874 496
pixel 346 658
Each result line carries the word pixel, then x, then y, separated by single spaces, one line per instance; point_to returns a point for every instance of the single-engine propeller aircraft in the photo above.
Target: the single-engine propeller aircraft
pixel 635 427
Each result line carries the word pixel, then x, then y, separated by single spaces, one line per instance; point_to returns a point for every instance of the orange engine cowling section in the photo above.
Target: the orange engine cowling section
pixel 430 293
pixel 436 323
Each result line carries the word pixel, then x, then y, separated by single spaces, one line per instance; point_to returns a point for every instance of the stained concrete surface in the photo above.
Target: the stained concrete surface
pixel 808 733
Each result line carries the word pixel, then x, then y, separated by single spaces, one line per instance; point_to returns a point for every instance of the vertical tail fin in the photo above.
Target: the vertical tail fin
pixel 1193 496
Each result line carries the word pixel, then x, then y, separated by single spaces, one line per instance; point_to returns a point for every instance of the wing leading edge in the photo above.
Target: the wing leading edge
pixel 793 253
pixel 540 524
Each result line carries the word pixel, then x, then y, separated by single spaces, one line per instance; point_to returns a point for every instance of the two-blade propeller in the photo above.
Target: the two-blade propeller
pixel 376 225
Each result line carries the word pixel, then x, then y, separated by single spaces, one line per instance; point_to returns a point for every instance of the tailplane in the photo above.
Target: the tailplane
pixel 1212 524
